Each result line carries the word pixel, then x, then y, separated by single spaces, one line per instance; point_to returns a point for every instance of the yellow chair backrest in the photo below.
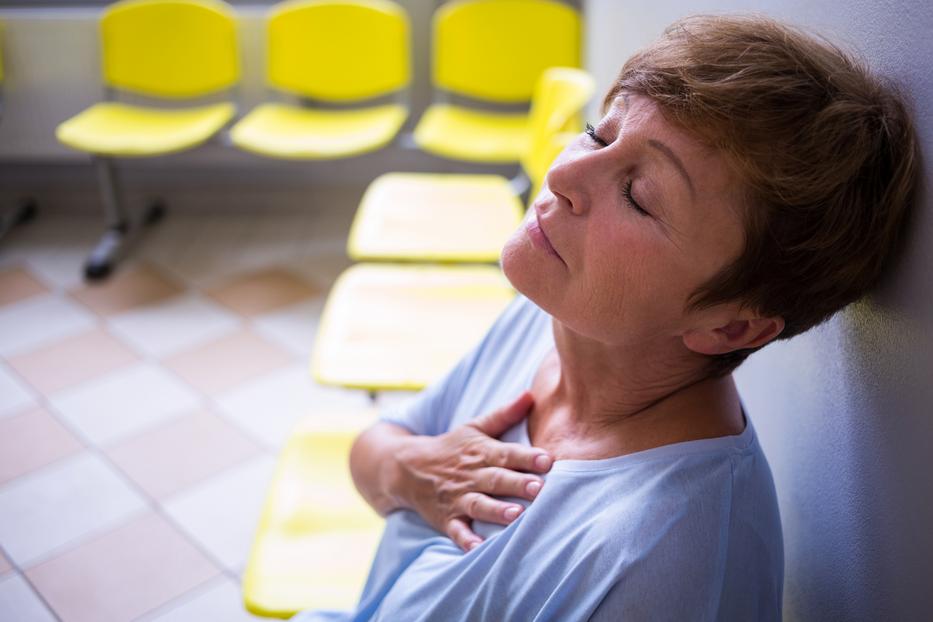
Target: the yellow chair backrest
pixel 559 96
pixel 338 50
pixel 169 48
pixel 496 49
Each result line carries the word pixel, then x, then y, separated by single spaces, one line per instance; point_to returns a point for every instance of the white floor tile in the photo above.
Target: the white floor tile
pixel 55 248
pixel 219 600
pixel 55 506
pixel 179 323
pixel 125 402
pixel 221 513
pixel 62 268
pixel 15 396
pixel 268 408
pixel 19 603
pixel 41 320
pixel 293 327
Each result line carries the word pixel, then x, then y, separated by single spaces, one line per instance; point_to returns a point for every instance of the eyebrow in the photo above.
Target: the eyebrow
pixel 675 161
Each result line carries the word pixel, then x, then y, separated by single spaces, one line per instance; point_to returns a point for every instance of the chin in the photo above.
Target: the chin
pixel 517 264
pixel 522 266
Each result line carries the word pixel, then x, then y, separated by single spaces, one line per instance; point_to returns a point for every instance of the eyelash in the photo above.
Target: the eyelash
pixel 591 132
pixel 627 190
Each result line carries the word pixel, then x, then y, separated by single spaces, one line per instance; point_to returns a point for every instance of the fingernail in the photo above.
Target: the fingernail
pixel 533 488
pixel 542 462
pixel 473 544
pixel 512 512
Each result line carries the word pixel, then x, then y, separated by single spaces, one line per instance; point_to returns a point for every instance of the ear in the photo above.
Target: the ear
pixel 738 334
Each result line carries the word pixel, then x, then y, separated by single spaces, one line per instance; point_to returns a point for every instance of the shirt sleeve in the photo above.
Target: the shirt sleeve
pixel 432 411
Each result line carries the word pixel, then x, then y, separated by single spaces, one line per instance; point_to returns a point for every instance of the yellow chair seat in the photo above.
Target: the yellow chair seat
pixel 402 327
pixel 116 129
pixel 316 536
pixel 286 131
pixel 473 135
pixel 426 217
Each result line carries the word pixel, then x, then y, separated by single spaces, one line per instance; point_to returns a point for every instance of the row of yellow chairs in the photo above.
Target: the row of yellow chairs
pixel 348 54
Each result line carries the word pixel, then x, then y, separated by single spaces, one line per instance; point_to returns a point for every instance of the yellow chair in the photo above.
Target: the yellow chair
pixel 316 536
pixel 174 50
pixel 465 218
pixel 400 327
pixel 340 52
pixel 493 51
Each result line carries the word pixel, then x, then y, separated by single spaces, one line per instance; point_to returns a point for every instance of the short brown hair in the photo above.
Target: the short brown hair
pixel 825 151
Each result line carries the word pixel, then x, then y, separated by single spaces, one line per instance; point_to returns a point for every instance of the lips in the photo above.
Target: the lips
pixel 539 238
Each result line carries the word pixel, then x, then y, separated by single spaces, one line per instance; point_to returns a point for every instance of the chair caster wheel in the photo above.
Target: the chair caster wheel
pixel 97 271
pixel 154 213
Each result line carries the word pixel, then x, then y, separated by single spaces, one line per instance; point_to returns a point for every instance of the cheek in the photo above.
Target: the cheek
pixel 630 281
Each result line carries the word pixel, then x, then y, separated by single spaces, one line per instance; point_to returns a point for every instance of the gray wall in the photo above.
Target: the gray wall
pixel 844 412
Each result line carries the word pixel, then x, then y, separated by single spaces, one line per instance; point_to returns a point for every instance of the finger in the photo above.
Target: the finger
pixel 519 458
pixel 481 507
pixel 508 483
pixel 462 535
pixel 497 422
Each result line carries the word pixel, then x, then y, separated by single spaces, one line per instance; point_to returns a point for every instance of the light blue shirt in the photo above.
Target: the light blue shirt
pixel 688 531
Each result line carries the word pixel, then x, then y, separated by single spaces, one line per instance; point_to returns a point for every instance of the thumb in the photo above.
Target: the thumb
pixel 497 422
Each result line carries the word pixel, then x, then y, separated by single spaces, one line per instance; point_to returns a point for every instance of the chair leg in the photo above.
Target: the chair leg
pixel 21 214
pixel 120 232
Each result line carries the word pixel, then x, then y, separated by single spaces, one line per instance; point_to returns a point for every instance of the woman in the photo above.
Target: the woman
pixel 591 458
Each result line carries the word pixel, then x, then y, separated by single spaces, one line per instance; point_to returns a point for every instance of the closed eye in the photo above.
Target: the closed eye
pixel 627 189
pixel 627 193
pixel 591 132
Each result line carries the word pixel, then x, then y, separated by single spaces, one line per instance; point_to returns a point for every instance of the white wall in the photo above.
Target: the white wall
pixel 844 412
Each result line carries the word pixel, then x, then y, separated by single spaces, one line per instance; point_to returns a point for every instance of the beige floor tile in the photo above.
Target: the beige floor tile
pixel 123 574
pixel 261 292
pixel 72 360
pixel 30 441
pixel 184 452
pixel 131 288
pixel 17 284
pixel 226 362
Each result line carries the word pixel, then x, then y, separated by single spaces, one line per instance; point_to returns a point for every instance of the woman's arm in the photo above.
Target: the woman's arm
pixel 450 479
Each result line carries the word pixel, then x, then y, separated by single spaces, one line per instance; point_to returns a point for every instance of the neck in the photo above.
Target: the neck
pixel 596 400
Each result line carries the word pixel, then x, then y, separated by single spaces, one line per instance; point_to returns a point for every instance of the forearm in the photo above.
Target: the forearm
pixel 374 465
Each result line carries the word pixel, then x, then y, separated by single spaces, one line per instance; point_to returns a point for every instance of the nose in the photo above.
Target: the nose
pixel 568 178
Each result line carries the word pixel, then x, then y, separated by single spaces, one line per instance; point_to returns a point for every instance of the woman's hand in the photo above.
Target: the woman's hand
pixel 450 479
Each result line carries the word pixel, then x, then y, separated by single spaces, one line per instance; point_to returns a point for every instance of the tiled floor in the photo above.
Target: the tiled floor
pixel 140 420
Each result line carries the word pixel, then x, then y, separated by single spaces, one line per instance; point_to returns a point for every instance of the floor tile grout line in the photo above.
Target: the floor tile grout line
pixel 180 599
pixel 210 401
pixel 151 503
pixel 20 572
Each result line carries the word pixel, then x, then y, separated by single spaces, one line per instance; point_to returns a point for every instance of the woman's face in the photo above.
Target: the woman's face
pixel 632 218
